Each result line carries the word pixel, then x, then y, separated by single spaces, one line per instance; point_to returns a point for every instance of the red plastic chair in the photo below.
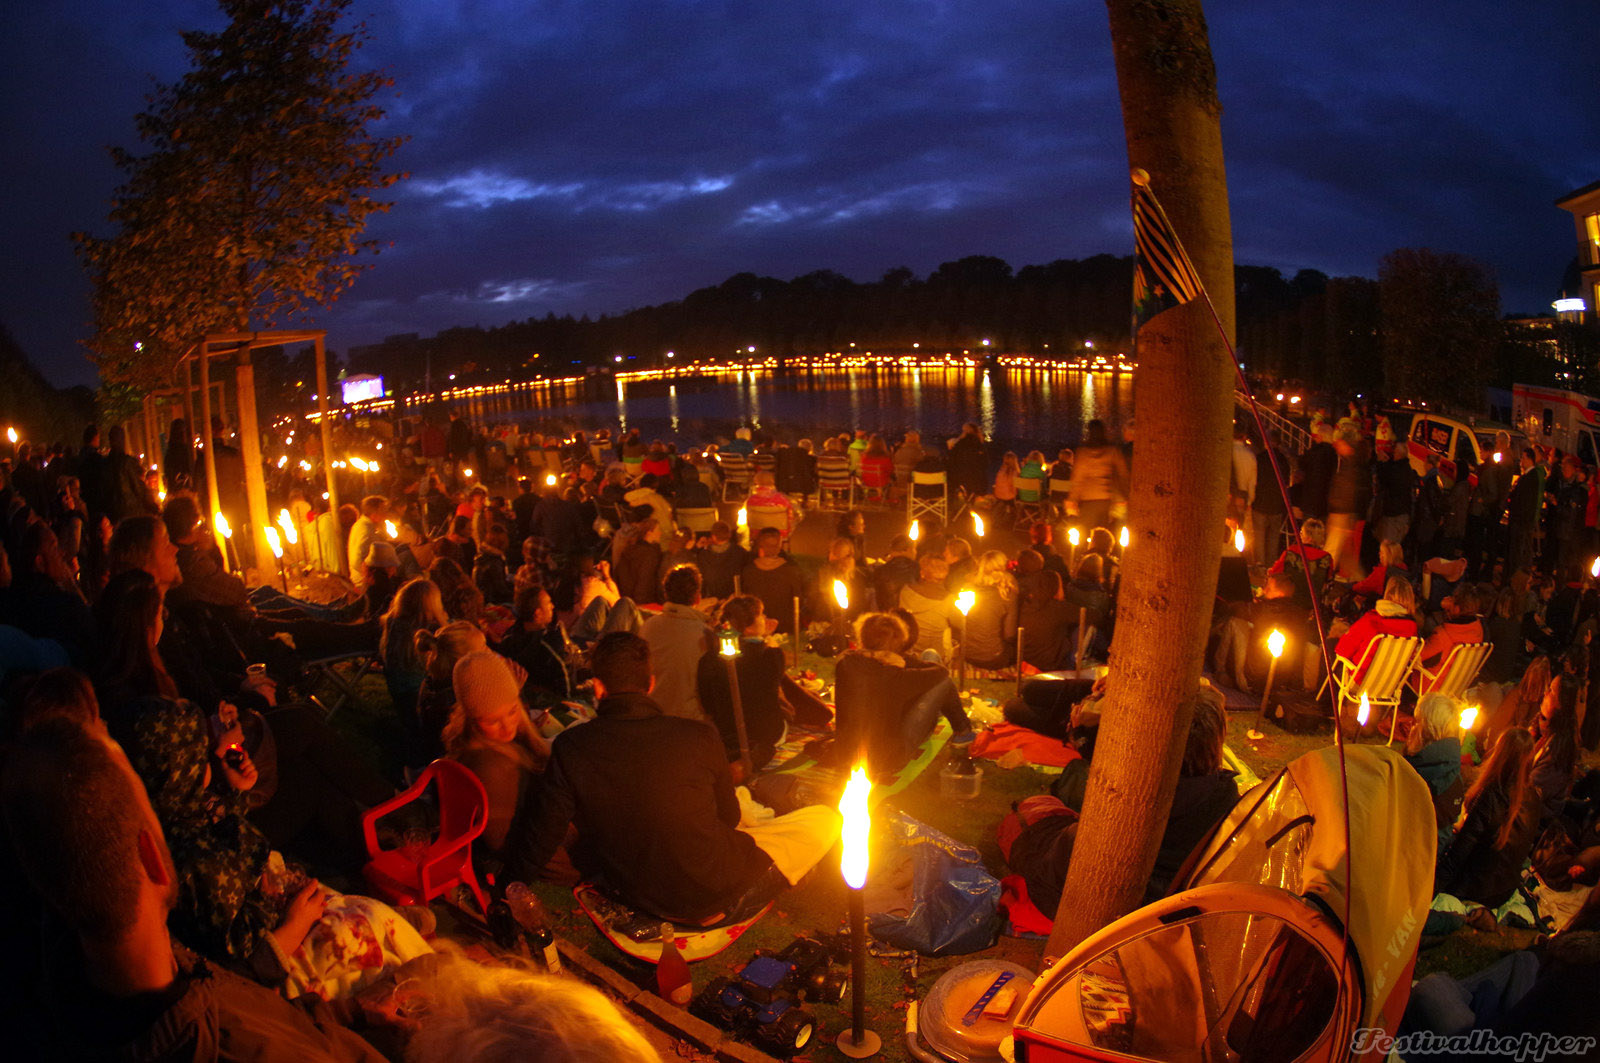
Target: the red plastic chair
pixel 463 812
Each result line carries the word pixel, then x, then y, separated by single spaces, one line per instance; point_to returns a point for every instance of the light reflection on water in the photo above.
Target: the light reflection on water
pixel 1021 409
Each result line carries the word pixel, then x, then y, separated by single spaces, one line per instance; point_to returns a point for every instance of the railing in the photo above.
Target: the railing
pixel 1290 435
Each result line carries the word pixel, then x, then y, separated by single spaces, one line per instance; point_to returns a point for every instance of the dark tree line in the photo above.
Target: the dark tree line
pixel 1310 326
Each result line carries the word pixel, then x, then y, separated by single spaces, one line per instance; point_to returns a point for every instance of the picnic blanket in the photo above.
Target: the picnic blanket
pixel 792 758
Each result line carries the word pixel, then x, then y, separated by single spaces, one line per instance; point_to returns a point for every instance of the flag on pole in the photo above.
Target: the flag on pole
pixel 1163 276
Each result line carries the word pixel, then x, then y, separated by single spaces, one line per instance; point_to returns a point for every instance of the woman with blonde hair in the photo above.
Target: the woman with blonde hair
pixel 990 632
pixel 1483 863
pixel 417 606
pixel 490 733
pixel 1521 704
pixel 477 1013
pixel 841 566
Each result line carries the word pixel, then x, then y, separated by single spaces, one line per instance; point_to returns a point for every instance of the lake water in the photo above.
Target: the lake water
pixel 1021 409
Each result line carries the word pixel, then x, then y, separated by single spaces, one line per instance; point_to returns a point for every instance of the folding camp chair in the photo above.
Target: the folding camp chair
pixel 324 671
pixel 697 520
pixel 833 480
pixel 737 473
pixel 768 517
pixel 1456 672
pixel 929 497
pixel 1380 675
pixel 1030 505
pixel 1059 490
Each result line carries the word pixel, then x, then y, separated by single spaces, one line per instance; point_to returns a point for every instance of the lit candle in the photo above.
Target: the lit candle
pixel 857 1042
pixel 728 648
pixel 1275 644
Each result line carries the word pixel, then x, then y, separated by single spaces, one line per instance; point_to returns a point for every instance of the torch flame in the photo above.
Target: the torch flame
pixel 550 480
pixel 1365 711
pixel 359 463
pixel 1497 457
pixel 286 522
pixel 966 600
pixel 1122 537
pixel 841 594
pixel 1238 539
pixel 390 530
pixel 1594 569
pixel 1073 537
pixel 467 473
pixel 11 435
pixel 273 542
pixel 914 532
pixel 1469 716
pixel 221 523
pixel 857 826
pixel 977 524
pixel 1275 643
pixel 743 519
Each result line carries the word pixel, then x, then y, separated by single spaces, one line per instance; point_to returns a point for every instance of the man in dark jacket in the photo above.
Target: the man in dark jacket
pixel 653 801
pixel 1522 514
pixel 120 987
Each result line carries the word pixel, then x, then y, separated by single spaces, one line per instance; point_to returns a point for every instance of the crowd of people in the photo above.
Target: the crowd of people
pixel 571 620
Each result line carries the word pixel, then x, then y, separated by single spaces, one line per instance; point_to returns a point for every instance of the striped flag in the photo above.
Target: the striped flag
pixel 1163 276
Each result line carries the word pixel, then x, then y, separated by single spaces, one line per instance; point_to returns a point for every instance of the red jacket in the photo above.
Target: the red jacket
pixel 1368 627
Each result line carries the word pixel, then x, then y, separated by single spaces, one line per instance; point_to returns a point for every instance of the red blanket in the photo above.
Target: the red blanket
pixel 1002 738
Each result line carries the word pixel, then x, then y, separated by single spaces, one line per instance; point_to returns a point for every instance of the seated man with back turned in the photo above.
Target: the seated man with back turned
pixel 118 987
pixel 653 801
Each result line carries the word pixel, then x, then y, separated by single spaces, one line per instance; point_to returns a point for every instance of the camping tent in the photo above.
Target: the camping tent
pixel 1246 961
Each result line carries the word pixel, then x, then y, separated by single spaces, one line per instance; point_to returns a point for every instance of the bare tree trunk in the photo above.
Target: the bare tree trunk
pixel 1183 399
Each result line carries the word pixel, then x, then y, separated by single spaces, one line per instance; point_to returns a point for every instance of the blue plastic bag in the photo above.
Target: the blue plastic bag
pixel 954 905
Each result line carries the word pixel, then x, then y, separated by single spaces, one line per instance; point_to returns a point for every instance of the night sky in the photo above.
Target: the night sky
pixel 597 155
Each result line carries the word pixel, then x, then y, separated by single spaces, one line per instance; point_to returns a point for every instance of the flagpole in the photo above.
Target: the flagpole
pixel 1141 181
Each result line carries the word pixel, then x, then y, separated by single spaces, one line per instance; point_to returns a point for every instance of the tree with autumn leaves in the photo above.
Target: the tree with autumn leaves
pixel 247 203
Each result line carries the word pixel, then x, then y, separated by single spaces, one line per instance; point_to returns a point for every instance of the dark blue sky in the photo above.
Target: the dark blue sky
pixel 596 155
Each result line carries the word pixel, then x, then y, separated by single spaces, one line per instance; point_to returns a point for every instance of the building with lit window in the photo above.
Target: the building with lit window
pixel 1585 207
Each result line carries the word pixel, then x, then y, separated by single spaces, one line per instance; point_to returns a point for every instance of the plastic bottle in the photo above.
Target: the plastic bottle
pixel 672 971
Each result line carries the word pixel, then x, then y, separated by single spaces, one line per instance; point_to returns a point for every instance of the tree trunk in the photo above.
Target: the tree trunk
pixel 1177 504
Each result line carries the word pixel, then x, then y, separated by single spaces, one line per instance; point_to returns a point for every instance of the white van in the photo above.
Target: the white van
pixel 1450 437
pixel 1551 417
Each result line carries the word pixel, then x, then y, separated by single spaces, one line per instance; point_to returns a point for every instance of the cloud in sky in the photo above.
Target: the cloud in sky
pixel 596 156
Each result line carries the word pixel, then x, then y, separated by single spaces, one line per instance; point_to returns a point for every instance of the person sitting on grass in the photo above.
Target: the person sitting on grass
pixel 1434 749
pixel 887 705
pixel 652 798
pixel 775 579
pixel 489 732
pixel 1483 864
pixel 90 844
pixel 1036 840
pixel 933 605
pixel 760 670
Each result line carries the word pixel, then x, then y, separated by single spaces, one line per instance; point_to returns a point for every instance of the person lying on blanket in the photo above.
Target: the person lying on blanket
pixel 1037 839
pixel 657 816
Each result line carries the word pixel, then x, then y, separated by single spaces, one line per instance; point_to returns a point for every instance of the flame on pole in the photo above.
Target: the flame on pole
pixel 550 480
pixel 1238 539
pixel 857 826
pixel 743 519
pixel 1122 537
pixel 1364 713
pixel 966 600
pixel 273 542
pixel 914 532
pixel 977 524
pixel 841 594
pixel 1594 569
pixel 1469 716
pixel 1275 643
pixel 222 525
pixel 1074 536
pixel 11 436
pixel 390 529
pixel 286 522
